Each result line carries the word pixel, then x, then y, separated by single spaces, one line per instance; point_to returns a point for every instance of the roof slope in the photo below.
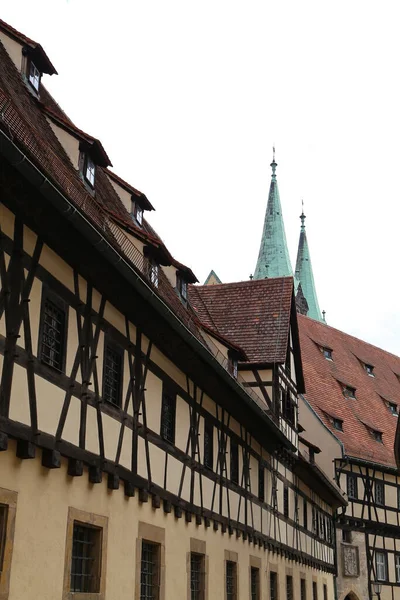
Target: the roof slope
pixel 255 315
pixel 304 274
pixel 273 258
pixel 324 380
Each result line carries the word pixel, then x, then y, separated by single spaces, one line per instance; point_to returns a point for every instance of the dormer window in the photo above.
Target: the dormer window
pixel 327 352
pixel 137 213
pixel 182 286
pixel 89 171
pixel 34 76
pixel 377 435
pixel 233 364
pixel 393 409
pixel 338 424
pixel 369 369
pixel 153 272
pixel 349 392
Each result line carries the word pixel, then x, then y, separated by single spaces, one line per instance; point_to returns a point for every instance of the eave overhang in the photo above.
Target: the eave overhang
pixel 316 479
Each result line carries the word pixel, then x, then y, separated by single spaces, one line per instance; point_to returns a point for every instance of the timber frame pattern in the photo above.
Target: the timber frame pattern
pixel 18 271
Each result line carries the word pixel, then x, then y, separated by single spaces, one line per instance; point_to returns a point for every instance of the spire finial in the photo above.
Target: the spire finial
pixel 273 164
pixel 302 216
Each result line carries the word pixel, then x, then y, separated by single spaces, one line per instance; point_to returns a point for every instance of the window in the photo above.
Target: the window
pixel 349 392
pixel 398 498
pixel 112 374
pixel 182 286
pixel 234 471
pixel 370 370
pixel 232 365
pixel 53 332
pixel 231 583
pixel 86 559
pixel 397 567
pixel 393 409
pixel 377 435
pixel 153 272
pixel 168 410
pixel 303 589
pixel 149 571
pixel 314 590
pixel 286 501
pixel 289 587
pixel 89 171
pixel 346 536
pixel 327 352
pixel 381 566
pixel 137 213
pixel 3 530
pixel 305 520
pixel 261 483
pixel 380 493
pixel 197 576
pixel 352 490
pixel 255 583
pixel 338 424
pixel 325 592
pixel 273 585
pixel 208 444
pixel 34 76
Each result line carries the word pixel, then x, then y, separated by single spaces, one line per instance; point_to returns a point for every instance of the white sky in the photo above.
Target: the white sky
pixel 188 99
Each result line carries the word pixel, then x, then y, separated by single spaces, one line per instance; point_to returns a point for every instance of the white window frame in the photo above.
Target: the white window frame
pixel 34 76
pixel 154 272
pixel 90 171
pixel 380 566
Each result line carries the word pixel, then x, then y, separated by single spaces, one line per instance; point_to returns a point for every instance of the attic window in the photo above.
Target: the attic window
pixel 349 392
pixel 182 286
pixel 34 76
pixel 233 364
pixel 369 369
pixel 137 213
pixel 153 272
pixel 338 424
pixel 327 352
pixel 393 408
pixel 89 171
pixel 377 435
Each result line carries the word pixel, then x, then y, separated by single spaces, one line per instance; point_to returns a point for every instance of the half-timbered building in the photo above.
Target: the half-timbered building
pixel 354 390
pixel 145 452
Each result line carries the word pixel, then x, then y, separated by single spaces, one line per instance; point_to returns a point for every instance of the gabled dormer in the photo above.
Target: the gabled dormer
pixel 134 201
pixel 28 56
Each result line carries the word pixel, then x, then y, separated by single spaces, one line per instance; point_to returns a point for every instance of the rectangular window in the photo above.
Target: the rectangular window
pixel 89 171
pixel 52 347
pixel 352 489
pixel 3 530
pixel 182 286
pixel 346 536
pixel 153 272
pixel 397 566
pixel 138 214
pixel 303 589
pixel 231 583
pixel 149 572
pixel 234 462
pixel 86 559
pixel 34 76
pixel 349 392
pixel 380 493
pixel 381 566
pixel 314 590
pixel 273 585
pixel 112 374
pixel 197 576
pixel 286 501
pixel 305 515
pixel 261 483
pixel 289 587
pixel 255 583
pixel 325 592
pixel 398 498
pixel 208 444
pixel 168 410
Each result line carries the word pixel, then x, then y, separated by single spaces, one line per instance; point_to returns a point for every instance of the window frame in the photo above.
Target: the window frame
pixel 113 347
pixel 153 271
pixel 305 514
pixel 261 482
pixel 137 210
pixel 349 392
pixel 86 160
pixel 289 587
pixel 255 586
pixel 234 461
pixel 8 499
pixel 315 590
pixel 397 566
pixel 94 521
pixel 382 553
pixel 96 544
pixel 30 64
pixel 327 353
pixel 153 535
pixel 49 295
pixel 228 565
pixel 182 286
pixel 171 396
pixel 352 477
pixel 379 484
pixel 202 576
pixel 273 585
pixel 337 424
pixel 156 557
pixel 303 588
pixel 286 501
pixel 208 449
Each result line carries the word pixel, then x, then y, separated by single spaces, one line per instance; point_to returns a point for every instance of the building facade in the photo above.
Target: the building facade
pixel 144 453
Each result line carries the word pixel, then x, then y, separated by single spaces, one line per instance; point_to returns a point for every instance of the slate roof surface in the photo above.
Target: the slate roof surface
pixel 323 379
pixel 255 315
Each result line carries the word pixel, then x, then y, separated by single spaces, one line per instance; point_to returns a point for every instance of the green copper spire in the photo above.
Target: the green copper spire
pixel 273 258
pixel 304 274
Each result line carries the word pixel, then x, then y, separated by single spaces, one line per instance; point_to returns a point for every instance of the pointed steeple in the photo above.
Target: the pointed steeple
pixel 304 274
pixel 273 258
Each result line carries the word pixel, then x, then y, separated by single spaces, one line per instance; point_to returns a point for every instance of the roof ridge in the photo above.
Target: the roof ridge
pixel 247 282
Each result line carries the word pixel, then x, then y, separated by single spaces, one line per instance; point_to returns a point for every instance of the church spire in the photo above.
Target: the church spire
pixel 273 258
pixel 304 273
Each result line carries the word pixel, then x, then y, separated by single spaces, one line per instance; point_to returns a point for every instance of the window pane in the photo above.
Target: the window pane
pixel 230 580
pixel 197 578
pixel 168 417
pixel 303 591
pixel 34 76
pixel 352 490
pixel 234 462
pixel 149 578
pixel 85 559
pixel 289 587
pixel 53 335
pixel 261 483
pixel 90 171
pixel 208 444
pixel 112 383
pixel 286 501
pixel 273 586
pixel 255 583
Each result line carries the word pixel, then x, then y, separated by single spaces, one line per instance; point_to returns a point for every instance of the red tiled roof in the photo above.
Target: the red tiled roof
pixel 255 315
pixel 23 39
pixel 368 410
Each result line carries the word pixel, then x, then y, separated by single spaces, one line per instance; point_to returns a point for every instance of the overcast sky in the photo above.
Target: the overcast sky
pixel 188 99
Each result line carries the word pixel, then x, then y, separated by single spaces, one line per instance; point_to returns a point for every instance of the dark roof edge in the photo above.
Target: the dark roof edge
pixel 33 174
pixel 326 488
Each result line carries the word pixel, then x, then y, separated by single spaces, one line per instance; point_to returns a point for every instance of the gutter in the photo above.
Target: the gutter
pixel 31 173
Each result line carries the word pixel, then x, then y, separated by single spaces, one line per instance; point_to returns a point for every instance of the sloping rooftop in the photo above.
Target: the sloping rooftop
pixel 255 315
pixel 369 410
